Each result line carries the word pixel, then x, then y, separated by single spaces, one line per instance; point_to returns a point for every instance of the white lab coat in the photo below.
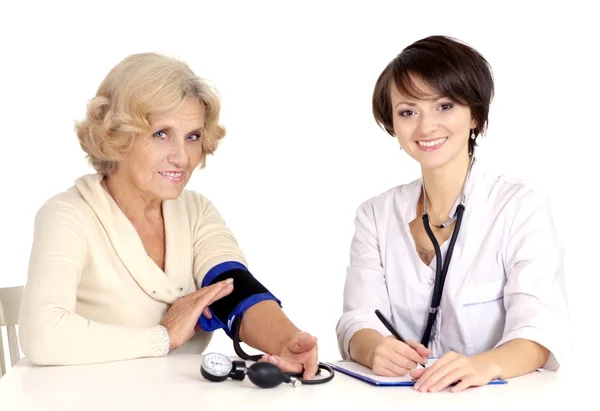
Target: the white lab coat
pixel 505 279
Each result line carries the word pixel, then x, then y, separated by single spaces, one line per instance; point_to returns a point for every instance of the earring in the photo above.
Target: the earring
pixel 473 134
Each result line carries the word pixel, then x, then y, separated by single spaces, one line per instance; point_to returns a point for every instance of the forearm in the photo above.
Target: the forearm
pixel 266 327
pixel 362 346
pixel 56 337
pixel 516 357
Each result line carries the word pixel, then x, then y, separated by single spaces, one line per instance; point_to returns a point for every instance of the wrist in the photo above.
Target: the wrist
pixel 491 362
pixel 372 348
pixel 362 346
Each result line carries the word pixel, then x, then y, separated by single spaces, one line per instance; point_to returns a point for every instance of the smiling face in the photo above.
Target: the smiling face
pixel 432 129
pixel 160 164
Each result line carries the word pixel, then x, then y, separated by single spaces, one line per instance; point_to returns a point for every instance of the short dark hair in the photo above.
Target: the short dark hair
pixel 450 67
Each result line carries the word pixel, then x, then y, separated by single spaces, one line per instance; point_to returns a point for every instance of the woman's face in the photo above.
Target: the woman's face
pixel 434 130
pixel 161 163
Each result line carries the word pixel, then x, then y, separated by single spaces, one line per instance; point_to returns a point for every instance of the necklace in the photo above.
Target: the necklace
pixel 462 197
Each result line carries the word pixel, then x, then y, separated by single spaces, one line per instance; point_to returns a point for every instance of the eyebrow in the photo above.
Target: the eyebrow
pixel 406 103
pixel 435 98
pixel 198 130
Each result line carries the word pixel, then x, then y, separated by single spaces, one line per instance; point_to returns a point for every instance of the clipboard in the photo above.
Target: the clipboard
pixel 362 373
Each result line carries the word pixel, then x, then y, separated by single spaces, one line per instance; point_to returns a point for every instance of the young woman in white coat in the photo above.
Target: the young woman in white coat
pixel 466 265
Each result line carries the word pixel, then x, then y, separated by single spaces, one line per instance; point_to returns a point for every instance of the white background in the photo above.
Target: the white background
pixel 302 149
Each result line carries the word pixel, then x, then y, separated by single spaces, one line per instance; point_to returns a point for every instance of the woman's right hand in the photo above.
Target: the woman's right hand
pixel 392 358
pixel 182 317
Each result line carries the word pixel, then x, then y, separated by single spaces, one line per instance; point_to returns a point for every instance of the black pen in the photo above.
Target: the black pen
pixel 391 328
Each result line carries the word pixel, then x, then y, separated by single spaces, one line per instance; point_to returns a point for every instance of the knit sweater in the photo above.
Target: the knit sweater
pixel 94 295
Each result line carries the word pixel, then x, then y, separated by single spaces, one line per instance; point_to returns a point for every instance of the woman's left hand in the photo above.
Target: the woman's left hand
pixel 299 354
pixel 455 368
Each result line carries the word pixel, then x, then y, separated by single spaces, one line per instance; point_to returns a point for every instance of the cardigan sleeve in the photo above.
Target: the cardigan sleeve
pixel 217 255
pixel 213 242
pixel 50 332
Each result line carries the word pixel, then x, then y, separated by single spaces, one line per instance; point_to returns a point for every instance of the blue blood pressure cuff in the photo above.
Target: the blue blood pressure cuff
pixel 247 291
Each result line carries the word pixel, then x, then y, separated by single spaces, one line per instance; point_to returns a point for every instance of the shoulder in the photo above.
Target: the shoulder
pixel 64 217
pixel 199 208
pixel 512 192
pixel 393 198
pixel 65 204
pixel 518 204
pixel 195 202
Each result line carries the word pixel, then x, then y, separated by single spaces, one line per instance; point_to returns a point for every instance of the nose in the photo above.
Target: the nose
pixel 428 124
pixel 178 156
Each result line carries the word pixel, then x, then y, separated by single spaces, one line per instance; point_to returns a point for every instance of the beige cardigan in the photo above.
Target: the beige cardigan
pixel 93 294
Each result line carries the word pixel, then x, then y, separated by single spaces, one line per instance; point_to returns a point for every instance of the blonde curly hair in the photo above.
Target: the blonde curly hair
pixel 141 85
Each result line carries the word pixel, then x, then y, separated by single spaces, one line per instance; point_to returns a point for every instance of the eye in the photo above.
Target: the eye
pixel 160 134
pixel 195 137
pixel 406 113
pixel 446 106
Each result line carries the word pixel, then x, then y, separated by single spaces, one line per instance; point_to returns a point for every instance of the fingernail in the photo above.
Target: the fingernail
pixel 229 281
pixel 273 360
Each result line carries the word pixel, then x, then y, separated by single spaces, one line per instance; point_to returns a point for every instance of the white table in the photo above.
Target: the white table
pixel 174 383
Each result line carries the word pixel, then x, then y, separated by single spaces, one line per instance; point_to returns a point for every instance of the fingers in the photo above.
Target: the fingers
pixel 450 368
pixel 207 313
pixel 283 364
pixel 387 368
pixel 417 373
pixel 226 290
pixel 311 366
pixel 451 377
pixel 209 288
pixel 408 352
pixel 304 342
pixel 419 348
pixel 463 384
pixel 211 294
pixel 429 371
pixel 389 358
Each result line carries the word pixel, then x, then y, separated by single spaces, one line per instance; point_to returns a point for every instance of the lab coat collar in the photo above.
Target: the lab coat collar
pixel 476 170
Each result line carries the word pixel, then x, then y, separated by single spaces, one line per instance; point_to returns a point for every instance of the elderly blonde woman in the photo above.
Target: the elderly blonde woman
pixel 127 263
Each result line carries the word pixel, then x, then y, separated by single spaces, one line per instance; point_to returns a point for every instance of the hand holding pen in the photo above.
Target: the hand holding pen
pixel 394 356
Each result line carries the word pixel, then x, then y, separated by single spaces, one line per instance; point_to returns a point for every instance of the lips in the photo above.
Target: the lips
pixel 431 145
pixel 171 173
pixel 174 176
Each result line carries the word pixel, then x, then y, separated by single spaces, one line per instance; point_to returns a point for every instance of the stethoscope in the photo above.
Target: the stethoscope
pixel 441 271
pixel 217 367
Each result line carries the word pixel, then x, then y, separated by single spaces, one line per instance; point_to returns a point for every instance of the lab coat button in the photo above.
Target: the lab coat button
pixel 431 281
